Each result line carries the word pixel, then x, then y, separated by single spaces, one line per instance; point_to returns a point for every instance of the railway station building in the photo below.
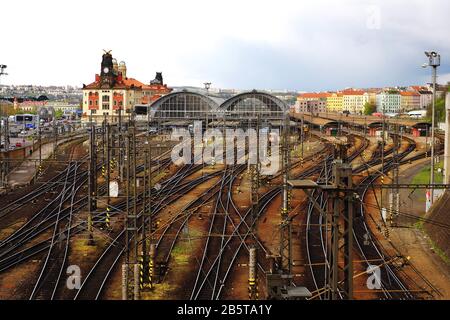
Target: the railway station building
pixel 113 91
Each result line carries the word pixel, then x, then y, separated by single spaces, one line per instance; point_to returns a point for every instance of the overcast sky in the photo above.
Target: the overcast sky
pixel 299 45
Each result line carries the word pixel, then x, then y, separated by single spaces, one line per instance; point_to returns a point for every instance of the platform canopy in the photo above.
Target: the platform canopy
pixel 316 121
pixel 372 121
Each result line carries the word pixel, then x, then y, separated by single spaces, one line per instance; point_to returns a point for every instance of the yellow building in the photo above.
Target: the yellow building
pixel 354 101
pixel 334 102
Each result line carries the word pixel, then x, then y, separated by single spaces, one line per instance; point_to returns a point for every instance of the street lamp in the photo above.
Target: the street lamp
pixel 434 61
pixel 2 69
pixel 4 165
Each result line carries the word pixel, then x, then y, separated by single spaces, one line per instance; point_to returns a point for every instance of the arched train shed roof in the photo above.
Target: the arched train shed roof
pixel 184 105
pixel 250 104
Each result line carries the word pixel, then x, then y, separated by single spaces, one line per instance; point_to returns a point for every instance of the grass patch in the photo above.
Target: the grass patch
pixel 418 225
pixel 159 291
pixel 423 176
pixel 183 248
pixel 439 252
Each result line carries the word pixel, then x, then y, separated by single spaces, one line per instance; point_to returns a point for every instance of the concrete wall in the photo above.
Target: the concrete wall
pixel 23 152
pixel 16 154
pixel 439 213
pixel 447 140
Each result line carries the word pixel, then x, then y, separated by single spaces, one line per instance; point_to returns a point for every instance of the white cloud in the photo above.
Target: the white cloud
pixel 285 44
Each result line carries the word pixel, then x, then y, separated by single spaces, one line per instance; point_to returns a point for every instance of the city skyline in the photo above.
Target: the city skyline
pixel 307 47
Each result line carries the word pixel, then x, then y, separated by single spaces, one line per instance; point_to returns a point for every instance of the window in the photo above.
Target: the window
pixel 105 106
pixel 105 98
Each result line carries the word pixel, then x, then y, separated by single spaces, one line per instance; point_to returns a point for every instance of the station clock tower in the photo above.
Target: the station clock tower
pixel 107 75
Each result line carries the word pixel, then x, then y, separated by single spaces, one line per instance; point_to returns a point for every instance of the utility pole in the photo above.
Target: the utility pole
pixel 4 162
pixel 3 159
pixel 394 193
pixel 150 225
pixel 136 292
pixel 40 148
pixel 382 152
pixel 131 278
pixel 92 205
pixel 302 137
pixel 126 266
pixel 254 176
pixel 108 173
pixel 145 261
pixel 55 136
pixel 342 206
pixel 121 164
pixel 285 226
pixel 434 61
pixel 447 139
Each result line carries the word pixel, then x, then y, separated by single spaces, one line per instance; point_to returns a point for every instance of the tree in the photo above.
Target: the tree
pixel 369 108
pixel 59 114
pixel 439 110
pixel 439 107
pixel 6 110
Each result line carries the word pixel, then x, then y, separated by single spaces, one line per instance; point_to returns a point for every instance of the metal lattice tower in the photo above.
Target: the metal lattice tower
pixel 255 184
pixel 130 271
pixel 285 226
pixel 394 201
pixel 341 210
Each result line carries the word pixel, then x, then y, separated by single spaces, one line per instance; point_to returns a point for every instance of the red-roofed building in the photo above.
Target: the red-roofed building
pixel 112 91
pixel 410 100
pixel 416 88
pixel 313 96
pixel 314 102
pixel 425 95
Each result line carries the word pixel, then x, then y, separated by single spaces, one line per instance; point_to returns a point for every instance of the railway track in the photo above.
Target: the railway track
pixel 93 285
pixel 368 247
pixel 229 236
pixel 55 262
pixel 316 240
